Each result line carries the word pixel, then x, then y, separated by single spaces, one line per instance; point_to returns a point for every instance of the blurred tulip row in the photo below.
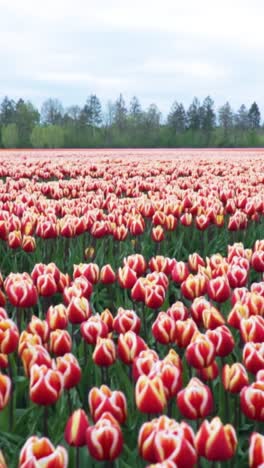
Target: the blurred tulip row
pixel 131 313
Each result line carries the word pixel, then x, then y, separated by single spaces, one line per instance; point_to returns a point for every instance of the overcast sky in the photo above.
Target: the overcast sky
pixel 159 50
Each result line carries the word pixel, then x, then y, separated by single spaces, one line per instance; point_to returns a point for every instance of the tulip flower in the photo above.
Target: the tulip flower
pixel 234 377
pixel 34 354
pixel 9 336
pixel 69 368
pixel 194 286
pixel 75 430
pixel 165 439
pixel 126 277
pixel 89 270
pixel 163 329
pixel 252 400
pixel 104 439
pixel 143 363
pixel 57 317
pixel 78 310
pixel 216 442
pixel 178 311
pixel 126 320
pixel 5 390
pixel 20 290
pixel 200 352
pixel 39 327
pixel 40 452
pixel 137 262
pixel 218 289
pixel 60 342
pixel 129 346
pixel 150 394
pixel 107 275
pixel 154 296
pixel 184 332
pixel 256 450
pixel 253 357
pixel 93 328
pixel 180 272
pixel 105 352
pixel 196 400
pixel 46 385
pixel 252 329
pixel 103 400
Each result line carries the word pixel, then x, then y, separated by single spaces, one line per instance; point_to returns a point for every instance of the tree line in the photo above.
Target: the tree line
pixel 120 124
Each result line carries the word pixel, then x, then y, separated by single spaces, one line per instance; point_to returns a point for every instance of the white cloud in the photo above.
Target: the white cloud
pixel 154 49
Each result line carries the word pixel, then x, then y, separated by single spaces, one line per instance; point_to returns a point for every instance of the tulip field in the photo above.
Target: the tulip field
pixel 132 308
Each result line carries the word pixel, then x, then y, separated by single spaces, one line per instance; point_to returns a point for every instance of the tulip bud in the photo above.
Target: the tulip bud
pixel 32 355
pixel 194 260
pixel 170 375
pixel 184 331
pixel 103 400
pixel 253 357
pixel 143 363
pixel 68 367
pixel 237 276
pixel 159 264
pixel 93 328
pixel 28 244
pixel 252 329
pixel 150 394
pixel 194 286
pixel 129 346
pixel 78 310
pixel 178 311
pixel 9 336
pixel 222 339
pixel 89 270
pixel 200 352
pixel 75 430
pixel 234 377
pixel 154 296
pixel 137 262
pixel 208 373
pixel 57 317
pixel 218 289
pixel 157 234
pixel 180 272
pixel 107 275
pixel 216 442
pixel 14 239
pixel 257 261
pixel 46 385
pixel 46 285
pixel 20 290
pixel 126 277
pixel 126 320
pixel 196 400
pixel 256 450
pixel 5 390
pixel 104 352
pixel 252 400
pixel 40 452
pixel 105 440
pixel 39 327
pixel 163 329
pixel 108 319
pixel 60 342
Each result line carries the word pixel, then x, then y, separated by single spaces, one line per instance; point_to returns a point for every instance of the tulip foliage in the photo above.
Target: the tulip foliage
pixel 132 310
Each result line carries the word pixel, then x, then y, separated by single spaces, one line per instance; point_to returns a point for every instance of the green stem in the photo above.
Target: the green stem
pixel 11 403
pixel 45 421
pixel 69 402
pixel 77 457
